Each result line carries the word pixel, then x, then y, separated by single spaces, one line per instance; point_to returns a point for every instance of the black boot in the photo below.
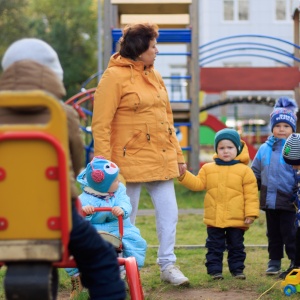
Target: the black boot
pixel 288 270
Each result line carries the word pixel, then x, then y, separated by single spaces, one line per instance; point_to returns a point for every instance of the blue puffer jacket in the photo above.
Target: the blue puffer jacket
pixel 276 180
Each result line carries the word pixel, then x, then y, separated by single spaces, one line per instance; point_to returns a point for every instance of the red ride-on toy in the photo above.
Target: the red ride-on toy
pixel 129 263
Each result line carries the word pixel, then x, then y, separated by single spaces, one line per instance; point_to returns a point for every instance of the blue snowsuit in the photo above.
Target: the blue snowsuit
pixel 133 243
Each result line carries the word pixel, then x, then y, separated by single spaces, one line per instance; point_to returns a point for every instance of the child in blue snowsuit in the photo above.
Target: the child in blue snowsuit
pixel 101 188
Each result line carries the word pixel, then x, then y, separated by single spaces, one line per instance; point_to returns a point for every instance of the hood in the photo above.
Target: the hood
pixel 243 157
pixel 29 75
pixel 272 140
pixel 120 61
pixel 116 60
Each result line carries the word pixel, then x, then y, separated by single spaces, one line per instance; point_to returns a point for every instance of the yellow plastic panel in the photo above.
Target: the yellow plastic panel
pixel 28 197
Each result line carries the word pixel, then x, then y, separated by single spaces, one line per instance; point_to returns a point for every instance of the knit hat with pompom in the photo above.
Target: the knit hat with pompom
pixel 285 110
pixel 101 173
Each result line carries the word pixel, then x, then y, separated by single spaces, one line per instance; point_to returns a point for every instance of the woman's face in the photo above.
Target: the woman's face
pixel 148 57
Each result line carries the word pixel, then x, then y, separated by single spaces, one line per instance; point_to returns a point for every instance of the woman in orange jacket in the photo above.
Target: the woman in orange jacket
pixel 133 126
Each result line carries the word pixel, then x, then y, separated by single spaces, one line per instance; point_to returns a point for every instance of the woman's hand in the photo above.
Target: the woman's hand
pixel 88 209
pixel 182 168
pixel 117 211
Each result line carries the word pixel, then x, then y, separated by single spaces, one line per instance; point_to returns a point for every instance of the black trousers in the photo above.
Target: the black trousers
pixel 281 233
pixel 96 260
pixel 297 250
pixel 221 239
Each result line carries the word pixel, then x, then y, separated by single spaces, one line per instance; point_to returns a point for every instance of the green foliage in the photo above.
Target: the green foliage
pixel 14 22
pixel 69 26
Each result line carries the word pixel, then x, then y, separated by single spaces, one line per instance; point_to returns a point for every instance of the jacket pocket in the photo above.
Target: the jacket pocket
pixel 132 100
pixel 136 143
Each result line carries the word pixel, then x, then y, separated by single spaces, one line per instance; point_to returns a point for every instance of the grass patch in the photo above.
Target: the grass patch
pixel 192 260
pixel 191 231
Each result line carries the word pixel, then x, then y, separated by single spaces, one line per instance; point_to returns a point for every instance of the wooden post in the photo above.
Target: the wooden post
pixel 194 90
pixel 107 37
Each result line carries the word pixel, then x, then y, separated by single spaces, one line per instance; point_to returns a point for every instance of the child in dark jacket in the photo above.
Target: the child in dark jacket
pixel 230 205
pixel 291 155
pixel 276 181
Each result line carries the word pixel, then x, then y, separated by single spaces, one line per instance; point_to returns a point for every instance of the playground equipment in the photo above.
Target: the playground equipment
pixel 35 217
pixel 291 284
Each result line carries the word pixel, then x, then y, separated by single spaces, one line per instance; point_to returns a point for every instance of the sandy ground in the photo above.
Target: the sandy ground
pixel 192 294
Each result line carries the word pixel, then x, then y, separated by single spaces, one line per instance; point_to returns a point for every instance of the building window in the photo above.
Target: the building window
pixel 236 10
pixel 283 10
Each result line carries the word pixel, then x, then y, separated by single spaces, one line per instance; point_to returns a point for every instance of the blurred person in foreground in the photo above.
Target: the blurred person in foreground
pixel 32 64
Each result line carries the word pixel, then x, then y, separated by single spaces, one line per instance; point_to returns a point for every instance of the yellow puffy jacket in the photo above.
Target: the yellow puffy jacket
pixel 132 122
pixel 232 193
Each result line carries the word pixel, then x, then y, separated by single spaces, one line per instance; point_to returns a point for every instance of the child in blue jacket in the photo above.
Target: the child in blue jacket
pixel 101 188
pixel 277 184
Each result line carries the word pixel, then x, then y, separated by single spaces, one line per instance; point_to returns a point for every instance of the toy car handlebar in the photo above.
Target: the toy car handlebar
pixel 120 218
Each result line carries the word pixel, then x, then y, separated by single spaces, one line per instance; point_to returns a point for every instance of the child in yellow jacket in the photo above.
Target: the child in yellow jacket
pixel 230 205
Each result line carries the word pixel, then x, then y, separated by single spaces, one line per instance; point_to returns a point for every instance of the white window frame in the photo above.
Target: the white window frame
pixel 236 12
pixel 288 11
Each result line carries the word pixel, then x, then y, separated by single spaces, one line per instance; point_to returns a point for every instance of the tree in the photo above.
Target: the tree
pixel 70 26
pixel 14 22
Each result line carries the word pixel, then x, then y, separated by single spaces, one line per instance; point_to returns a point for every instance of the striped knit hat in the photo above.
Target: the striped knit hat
pixel 291 150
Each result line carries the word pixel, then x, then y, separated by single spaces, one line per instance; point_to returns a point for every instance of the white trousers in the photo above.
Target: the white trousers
pixel 166 212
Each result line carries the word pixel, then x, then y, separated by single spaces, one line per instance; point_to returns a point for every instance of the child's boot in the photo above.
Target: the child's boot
pixel 76 287
pixel 274 267
pixel 288 270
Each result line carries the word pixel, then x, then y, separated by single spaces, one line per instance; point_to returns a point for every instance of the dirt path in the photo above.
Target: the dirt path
pixel 205 294
pixel 192 294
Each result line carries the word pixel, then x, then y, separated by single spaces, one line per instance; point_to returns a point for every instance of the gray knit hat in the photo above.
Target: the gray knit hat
pixel 32 49
pixel 291 150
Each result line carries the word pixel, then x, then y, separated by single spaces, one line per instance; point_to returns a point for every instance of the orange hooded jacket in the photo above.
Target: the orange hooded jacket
pixel 133 122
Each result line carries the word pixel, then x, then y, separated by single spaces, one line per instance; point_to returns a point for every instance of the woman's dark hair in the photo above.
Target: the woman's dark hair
pixel 136 39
